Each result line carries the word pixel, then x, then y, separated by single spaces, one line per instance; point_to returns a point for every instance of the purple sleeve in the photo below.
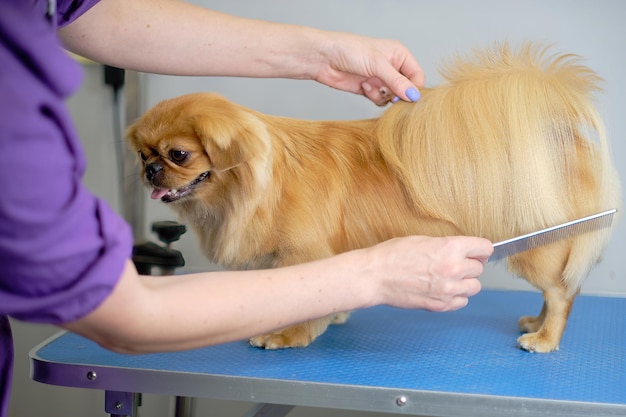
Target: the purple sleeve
pixel 62 249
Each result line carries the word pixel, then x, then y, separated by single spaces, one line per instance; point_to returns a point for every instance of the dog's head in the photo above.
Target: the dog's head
pixel 199 146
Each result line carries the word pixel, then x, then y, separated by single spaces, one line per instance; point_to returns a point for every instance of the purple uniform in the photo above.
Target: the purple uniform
pixel 61 248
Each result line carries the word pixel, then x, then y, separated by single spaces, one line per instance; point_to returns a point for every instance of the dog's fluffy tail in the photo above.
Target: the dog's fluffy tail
pixel 509 143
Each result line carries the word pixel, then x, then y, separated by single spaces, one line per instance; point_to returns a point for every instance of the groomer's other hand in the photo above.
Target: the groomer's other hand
pixel 436 274
pixel 381 69
pixel 215 43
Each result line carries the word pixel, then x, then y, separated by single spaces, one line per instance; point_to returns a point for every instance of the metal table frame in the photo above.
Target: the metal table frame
pixel 373 364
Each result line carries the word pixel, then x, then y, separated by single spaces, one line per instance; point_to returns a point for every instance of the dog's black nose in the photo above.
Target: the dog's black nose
pixel 152 170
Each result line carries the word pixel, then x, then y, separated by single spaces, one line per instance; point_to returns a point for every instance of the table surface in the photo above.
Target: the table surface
pixel 463 363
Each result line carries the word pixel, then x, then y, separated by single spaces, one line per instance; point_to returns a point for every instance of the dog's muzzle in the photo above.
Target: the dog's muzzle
pixel 152 170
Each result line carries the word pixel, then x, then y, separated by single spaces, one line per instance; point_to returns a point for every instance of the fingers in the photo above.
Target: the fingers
pixel 405 87
pixel 474 250
pixel 430 273
pixel 377 92
pixel 454 265
pixel 465 262
pixel 381 95
pixel 412 71
pixel 478 248
pixel 452 293
pixel 383 70
pixel 398 78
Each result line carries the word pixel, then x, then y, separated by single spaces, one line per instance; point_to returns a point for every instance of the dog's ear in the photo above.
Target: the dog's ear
pixel 231 139
pixel 131 137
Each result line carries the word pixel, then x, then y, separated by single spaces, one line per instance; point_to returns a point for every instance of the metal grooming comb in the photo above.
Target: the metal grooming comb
pixel 552 234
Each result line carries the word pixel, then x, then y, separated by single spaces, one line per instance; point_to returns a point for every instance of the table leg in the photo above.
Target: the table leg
pixel 184 407
pixel 119 404
pixel 270 410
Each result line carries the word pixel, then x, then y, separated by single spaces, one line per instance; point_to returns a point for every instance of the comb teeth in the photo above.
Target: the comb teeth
pixel 552 234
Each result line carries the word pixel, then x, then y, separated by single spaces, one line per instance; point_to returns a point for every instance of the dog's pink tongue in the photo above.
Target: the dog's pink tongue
pixel 158 193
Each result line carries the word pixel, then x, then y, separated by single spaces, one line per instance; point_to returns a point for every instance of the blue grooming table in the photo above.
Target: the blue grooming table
pixel 464 363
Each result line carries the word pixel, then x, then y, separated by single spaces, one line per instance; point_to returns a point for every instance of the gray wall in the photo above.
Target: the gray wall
pixel 433 30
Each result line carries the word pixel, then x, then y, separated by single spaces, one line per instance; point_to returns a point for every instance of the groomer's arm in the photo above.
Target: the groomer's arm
pixel 150 314
pixel 177 38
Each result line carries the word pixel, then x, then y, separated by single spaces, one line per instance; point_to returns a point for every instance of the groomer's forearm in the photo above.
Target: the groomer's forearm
pixel 150 314
pixel 177 38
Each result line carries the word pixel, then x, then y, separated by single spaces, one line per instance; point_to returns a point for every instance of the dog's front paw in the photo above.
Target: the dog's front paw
pixel 300 335
pixel 271 342
pixel 290 337
pixel 340 318
pixel 536 342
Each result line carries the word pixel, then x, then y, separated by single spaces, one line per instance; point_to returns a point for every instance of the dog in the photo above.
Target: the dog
pixel 510 142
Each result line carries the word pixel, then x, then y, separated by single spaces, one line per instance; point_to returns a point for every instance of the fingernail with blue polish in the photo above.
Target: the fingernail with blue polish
pixel 413 94
pixel 395 99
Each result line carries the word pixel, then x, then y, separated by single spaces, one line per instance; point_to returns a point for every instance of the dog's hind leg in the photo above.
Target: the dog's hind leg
pixel 546 330
pixel 544 268
pixel 531 324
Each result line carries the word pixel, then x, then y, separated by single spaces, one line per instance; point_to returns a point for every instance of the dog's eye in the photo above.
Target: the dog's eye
pixel 178 156
pixel 142 156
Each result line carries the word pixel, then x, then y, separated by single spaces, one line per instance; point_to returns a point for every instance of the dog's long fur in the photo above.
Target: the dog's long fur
pixel 510 143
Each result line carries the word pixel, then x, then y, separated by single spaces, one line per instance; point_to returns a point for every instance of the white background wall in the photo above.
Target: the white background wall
pixel 433 30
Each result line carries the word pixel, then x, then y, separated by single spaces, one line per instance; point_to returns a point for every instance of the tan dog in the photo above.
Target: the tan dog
pixel 508 144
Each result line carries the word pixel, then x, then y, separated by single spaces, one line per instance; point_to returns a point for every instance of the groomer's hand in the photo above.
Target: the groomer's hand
pixel 382 69
pixel 436 274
